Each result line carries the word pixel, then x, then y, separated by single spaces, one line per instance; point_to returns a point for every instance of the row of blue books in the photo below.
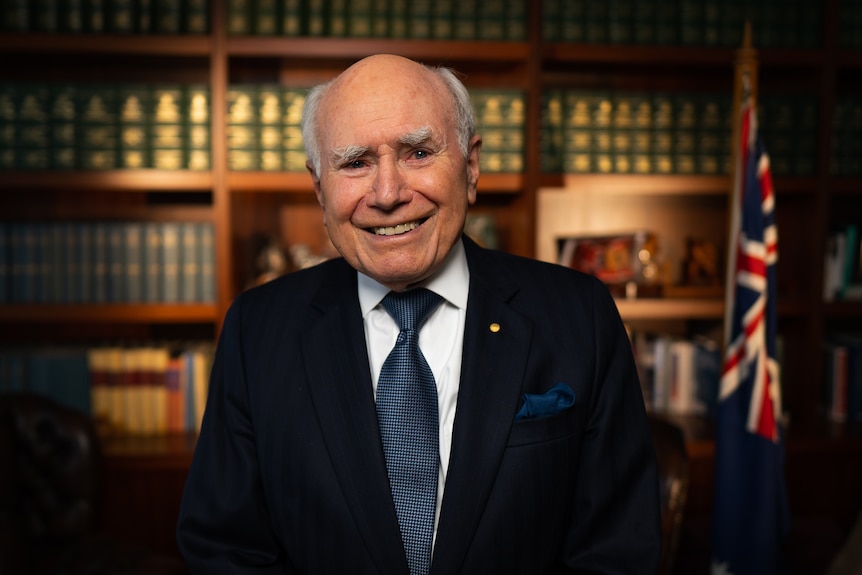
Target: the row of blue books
pixel 842 390
pixel 106 262
pixel 136 390
pixel 678 375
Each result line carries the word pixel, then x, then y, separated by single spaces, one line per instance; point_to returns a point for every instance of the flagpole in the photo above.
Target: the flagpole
pixel 744 91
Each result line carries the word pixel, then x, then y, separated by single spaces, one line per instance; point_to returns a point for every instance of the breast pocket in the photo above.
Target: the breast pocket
pixel 545 429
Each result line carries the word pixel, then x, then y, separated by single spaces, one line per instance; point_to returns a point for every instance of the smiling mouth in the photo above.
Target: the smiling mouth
pixel 397 230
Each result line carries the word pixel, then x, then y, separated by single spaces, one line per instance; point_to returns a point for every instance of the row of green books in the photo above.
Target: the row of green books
pixel 264 131
pixel 106 16
pixel 45 126
pixel 93 127
pixel 264 128
pixel 151 389
pixel 633 132
pixel 106 262
pixel 500 20
pixel 847 136
pixel 850 25
pixel 663 133
pixel 775 23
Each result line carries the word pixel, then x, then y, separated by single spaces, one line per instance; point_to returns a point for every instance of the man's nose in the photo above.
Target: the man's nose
pixel 389 185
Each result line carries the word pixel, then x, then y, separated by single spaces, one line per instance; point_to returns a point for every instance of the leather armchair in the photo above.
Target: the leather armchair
pixel 673 470
pixel 50 496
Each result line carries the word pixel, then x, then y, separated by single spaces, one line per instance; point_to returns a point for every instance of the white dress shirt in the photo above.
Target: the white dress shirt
pixel 441 340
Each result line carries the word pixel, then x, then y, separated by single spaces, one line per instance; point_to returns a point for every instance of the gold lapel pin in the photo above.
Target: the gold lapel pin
pixel 494 327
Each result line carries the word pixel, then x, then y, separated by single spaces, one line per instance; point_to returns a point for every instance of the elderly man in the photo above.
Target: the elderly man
pixel 419 405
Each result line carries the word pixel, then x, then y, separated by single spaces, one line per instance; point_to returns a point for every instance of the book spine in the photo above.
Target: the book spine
pixel 100 263
pixel 4 263
pixel 33 141
pixel 98 129
pixel 133 249
pixel 197 106
pixel 168 131
pixel 46 16
pixel 239 17
pixel 21 250
pixel 48 268
pixel 64 131
pixel 207 262
pixel 269 129
pixel 196 17
pixel 115 281
pixel 190 263
pixel 86 264
pixel 265 17
pixel 242 128
pixel 361 19
pixel 121 16
pixel 291 19
pixel 134 127
pixel 153 262
pixel 170 262
pixel 336 18
pixel 94 16
pixel 168 16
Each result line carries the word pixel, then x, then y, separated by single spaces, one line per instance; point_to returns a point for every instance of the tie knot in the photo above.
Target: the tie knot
pixel 411 308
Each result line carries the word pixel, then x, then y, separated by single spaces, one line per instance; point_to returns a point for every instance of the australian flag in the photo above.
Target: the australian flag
pixel 751 515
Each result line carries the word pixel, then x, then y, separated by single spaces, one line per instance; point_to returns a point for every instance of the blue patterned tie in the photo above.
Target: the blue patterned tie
pixel 407 413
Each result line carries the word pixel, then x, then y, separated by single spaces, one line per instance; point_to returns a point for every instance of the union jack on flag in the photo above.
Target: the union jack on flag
pixel 750 515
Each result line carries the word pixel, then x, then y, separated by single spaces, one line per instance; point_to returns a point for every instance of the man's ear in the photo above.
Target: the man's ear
pixel 473 168
pixel 315 182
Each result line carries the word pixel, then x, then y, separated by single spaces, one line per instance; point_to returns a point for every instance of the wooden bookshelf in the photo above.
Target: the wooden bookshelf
pixel 240 204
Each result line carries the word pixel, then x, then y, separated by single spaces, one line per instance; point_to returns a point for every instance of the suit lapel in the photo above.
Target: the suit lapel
pixel 340 385
pixel 496 344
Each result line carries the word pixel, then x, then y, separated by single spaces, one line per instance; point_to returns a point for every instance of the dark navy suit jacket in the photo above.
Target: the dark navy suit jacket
pixel 289 475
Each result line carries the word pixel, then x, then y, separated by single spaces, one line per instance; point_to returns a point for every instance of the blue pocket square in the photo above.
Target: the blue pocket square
pixel 546 404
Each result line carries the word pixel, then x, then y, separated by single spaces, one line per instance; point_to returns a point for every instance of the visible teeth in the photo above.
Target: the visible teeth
pixel 396 230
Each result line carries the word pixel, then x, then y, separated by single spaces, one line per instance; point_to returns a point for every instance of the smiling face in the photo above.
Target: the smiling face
pixel 394 184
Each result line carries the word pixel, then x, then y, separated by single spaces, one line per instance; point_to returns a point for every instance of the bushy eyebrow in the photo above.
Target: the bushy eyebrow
pixel 417 137
pixel 352 152
pixel 347 154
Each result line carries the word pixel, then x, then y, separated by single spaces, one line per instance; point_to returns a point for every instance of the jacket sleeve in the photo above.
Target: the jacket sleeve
pixel 616 526
pixel 224 525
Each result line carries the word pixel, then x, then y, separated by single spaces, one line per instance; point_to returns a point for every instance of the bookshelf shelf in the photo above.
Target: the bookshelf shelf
pixel 110 313
pixel 843 309
pixel 125 180
pixel 356 48
pixel 670 308
pixel 651 185
pixel 300 182
pixel 149 452
pixel 565 52
pixel 240 204
pixel 154 45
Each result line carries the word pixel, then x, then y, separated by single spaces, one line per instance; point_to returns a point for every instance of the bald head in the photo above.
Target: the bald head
pixel 385 76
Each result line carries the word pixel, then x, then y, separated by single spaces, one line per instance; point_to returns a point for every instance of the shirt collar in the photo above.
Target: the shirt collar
pixel 451 282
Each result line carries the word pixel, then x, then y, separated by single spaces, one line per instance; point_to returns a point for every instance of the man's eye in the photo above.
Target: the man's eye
pixel 354 164
pixel 420 154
